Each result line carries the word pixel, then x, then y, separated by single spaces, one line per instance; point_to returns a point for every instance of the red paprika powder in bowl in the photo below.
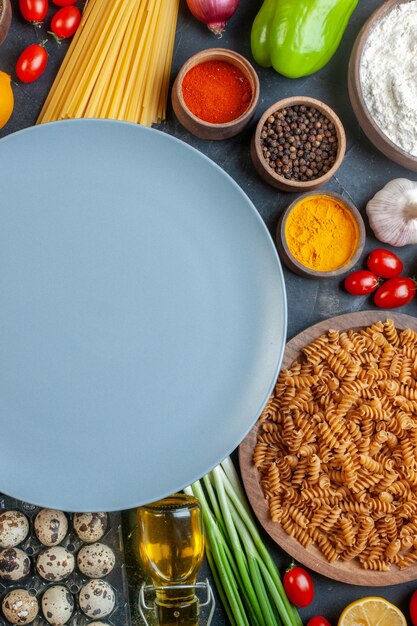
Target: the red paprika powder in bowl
pixel 215 93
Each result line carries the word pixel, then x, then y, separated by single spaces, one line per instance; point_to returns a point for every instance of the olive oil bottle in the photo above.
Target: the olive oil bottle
pixel 171 546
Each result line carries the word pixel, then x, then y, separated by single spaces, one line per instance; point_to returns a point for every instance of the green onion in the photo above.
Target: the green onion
pixel 246 577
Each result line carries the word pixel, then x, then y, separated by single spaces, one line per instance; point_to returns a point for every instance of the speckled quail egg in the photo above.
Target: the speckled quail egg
pixel 51 527
pixel 55 564
pixel 14 528
pixel 90 527
pixel 14 564
pixel 57 605
pixel 97 599
pixel 20 607
pixel 96 560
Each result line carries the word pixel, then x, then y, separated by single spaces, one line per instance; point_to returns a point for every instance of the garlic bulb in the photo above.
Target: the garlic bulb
pixel 392 212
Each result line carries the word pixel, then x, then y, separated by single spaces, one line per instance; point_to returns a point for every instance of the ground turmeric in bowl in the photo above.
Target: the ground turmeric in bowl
pixel 321 233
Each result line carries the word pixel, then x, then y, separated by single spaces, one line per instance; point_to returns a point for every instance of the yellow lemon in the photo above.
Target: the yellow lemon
pixel 6 99
pixel 372 611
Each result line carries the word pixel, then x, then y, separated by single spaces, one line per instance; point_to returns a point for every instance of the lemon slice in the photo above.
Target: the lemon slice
pixel 372 611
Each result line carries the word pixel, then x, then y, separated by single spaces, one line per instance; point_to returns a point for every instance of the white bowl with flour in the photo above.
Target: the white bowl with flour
pixel 383 80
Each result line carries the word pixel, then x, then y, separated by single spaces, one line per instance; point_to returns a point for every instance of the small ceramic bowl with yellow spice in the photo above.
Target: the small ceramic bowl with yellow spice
pixel 215 93
pixel 321 235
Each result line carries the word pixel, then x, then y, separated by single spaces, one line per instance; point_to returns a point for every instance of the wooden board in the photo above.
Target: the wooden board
pixel 344 571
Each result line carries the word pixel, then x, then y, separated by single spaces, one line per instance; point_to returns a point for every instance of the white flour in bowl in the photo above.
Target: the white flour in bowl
pixel 388 75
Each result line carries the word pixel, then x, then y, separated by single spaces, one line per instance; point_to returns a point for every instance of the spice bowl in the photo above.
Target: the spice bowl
pixel 5 18
pixel 356 93
pixel 244 77
pixel 298 144
pixel 321 235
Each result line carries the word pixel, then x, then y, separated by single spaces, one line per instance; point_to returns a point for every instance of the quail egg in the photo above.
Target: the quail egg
pixel 51 527
pixel 55 564
pixel 57 605
pixel 90 527
pixel 20 607
pixel 14 564
pixel 96 560
pixel 14 528
pixel 97 599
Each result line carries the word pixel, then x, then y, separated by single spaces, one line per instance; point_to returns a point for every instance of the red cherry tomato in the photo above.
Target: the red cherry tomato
pixel 34 10
pixel 63 3
pixel 413 608
pixel 361 282
pixel 298 586
pixel 31 63
pixel 65 22
pixel 384 263
pixel 318 620
pixel 395 292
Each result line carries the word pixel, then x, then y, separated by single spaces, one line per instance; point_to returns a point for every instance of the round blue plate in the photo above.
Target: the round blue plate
pixel 142 318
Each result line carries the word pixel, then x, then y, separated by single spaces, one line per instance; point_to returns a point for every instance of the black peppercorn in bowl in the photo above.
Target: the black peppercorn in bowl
pixel 298 144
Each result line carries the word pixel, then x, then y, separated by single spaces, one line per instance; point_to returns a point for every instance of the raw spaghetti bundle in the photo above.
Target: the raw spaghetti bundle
pixel 118 64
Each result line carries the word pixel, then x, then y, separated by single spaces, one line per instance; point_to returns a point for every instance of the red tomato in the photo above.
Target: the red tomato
pixel 65 22
pixel 384 263
pixel 395 292
pixel 413 608
pixel 31 63
pixel 361 282
pixel 298 586
pixel 318 620
pixel 34 10
pixel 63 3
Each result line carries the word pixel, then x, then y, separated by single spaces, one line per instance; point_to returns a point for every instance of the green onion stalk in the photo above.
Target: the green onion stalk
pixel 246 577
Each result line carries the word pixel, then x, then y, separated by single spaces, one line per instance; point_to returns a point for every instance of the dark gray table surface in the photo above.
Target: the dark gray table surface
pixel 363 172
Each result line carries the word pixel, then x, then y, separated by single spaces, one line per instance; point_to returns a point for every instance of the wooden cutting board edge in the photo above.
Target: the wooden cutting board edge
pixel 343 571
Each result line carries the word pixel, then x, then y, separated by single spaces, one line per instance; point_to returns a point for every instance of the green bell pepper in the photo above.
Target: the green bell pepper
pixel 298 37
